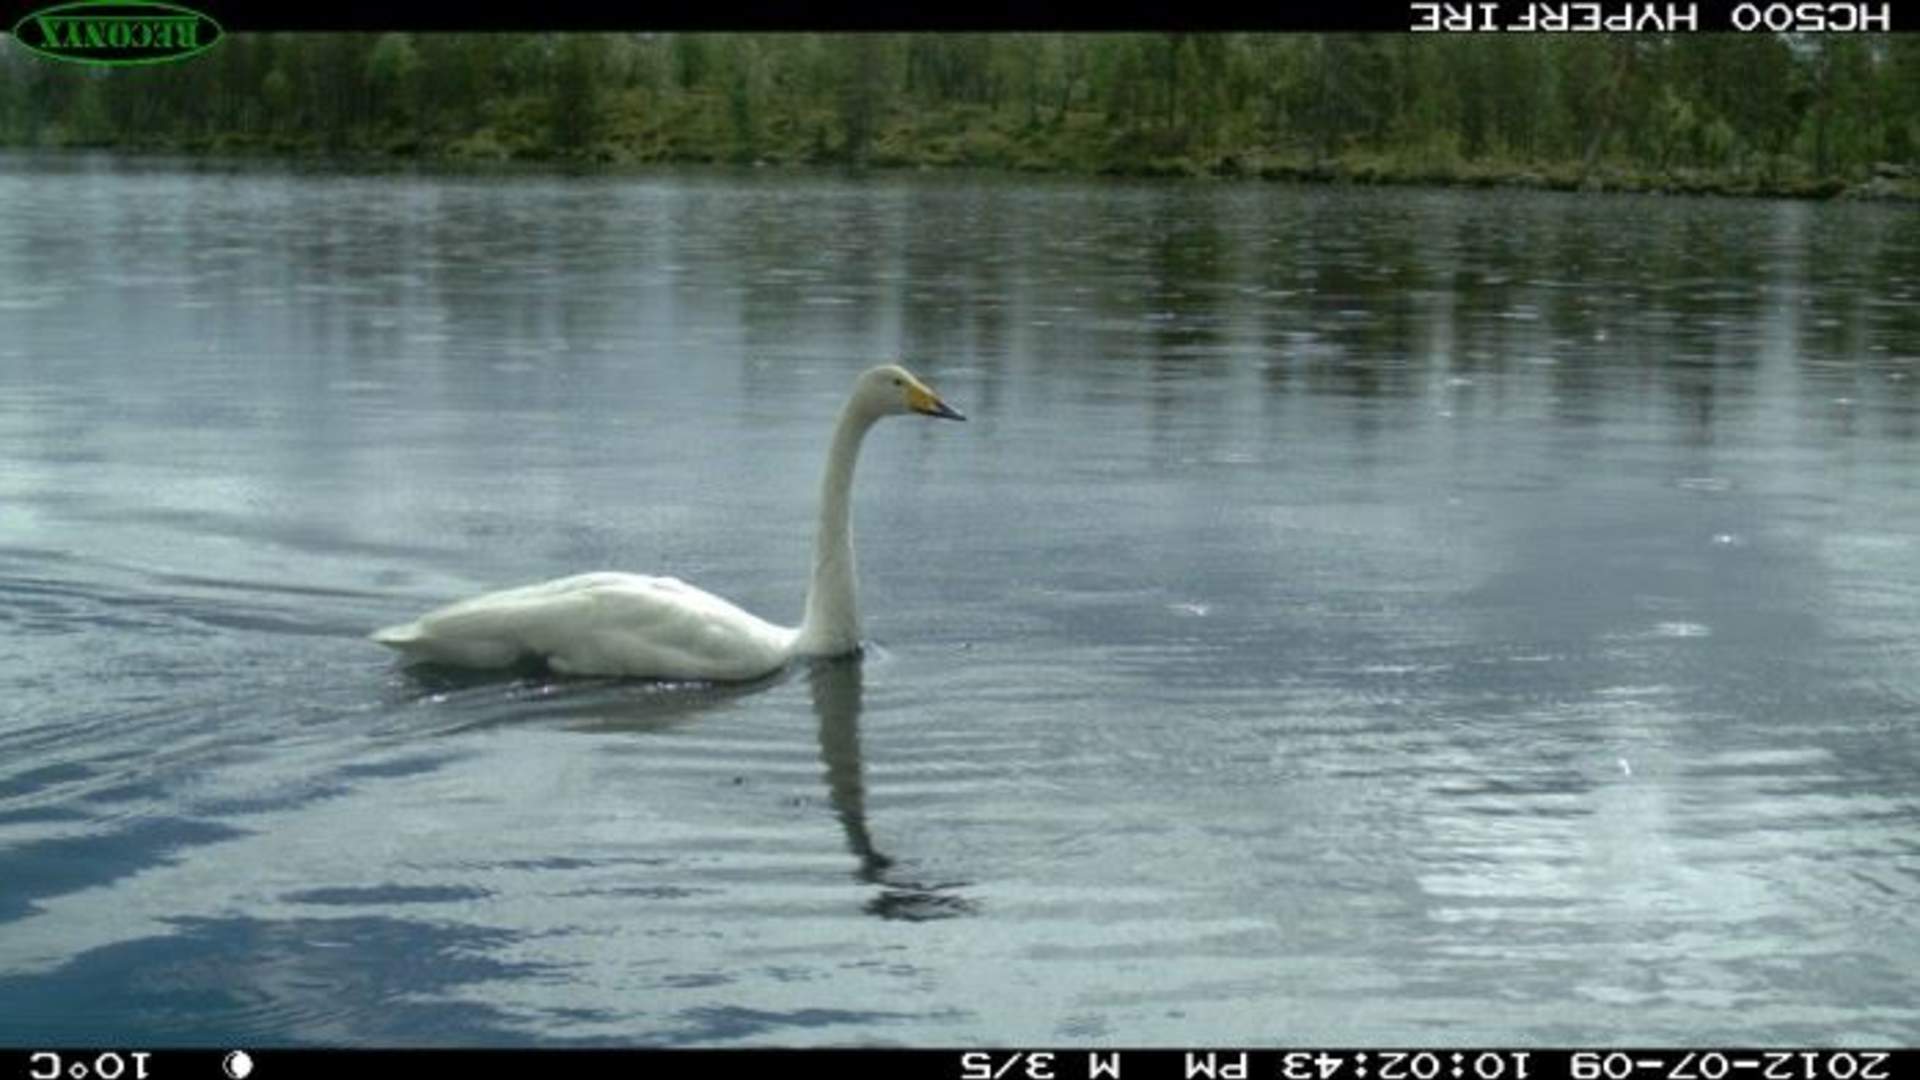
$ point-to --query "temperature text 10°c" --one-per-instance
(47, 1065)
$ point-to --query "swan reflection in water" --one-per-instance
(837, 685)
(490, 699)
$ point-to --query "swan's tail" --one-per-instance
(398, 637)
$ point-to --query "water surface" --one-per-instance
(1349, 616)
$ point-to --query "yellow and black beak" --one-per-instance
(927, 403)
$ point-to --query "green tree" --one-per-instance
(393, 79)
(862, 92)
(1838, 133)
(691, 60)
(1120, 74)
(748, 79)
(1345, 91)
(1903, 97)
(574, 102)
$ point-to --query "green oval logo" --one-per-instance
(116, 33)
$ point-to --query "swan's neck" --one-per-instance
(832, 625)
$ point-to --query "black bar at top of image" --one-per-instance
(791, 15)
(828, 15)
(1449, 1063)
(781, 15)
(1315, 16)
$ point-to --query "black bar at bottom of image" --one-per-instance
(240, 1062)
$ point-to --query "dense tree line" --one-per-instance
(1753, 104)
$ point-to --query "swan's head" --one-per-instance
(890, 389)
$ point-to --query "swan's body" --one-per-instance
(661, 627)
(601, 624)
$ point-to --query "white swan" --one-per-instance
(661, 627)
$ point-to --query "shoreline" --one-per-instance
(1888, 183)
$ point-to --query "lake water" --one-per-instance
(1349, 616)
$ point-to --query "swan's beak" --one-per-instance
(927, 403)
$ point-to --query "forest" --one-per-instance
(1722, 112)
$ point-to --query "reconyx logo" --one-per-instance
(114, 33)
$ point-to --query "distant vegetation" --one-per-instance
(1709, 112)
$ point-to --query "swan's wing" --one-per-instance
(600, 624)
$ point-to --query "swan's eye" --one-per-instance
(899, 381)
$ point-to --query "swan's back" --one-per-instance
(600, 624)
